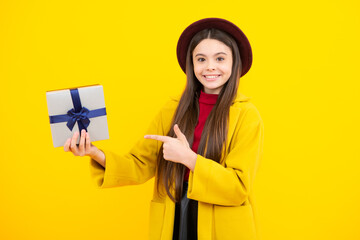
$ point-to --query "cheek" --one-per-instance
(230, 70)
(227, 69)
(197, 70)
(196, 67)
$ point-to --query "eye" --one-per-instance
(220, 59)
(201, 59)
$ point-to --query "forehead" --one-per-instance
(211, 46)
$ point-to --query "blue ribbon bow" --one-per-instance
(78, 114)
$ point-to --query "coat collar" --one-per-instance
(241, 98)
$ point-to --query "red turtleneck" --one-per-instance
(206, 103)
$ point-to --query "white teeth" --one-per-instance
(211, 76)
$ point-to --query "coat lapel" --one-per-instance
(234, 114)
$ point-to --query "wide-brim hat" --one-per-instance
(223, 25)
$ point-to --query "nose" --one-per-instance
(210, 66)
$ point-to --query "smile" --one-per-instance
(211, 77)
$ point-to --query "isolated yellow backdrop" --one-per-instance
(304, 81)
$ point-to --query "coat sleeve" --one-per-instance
(135, 167)
(230, 185)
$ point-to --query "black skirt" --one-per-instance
(185, 222)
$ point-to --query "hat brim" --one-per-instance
(223, 25)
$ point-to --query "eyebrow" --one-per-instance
(200, 54)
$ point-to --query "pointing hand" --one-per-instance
(176, 149)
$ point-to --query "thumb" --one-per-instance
(179, 134)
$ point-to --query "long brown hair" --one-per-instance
(213, 139)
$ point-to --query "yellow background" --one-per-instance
(304, 81)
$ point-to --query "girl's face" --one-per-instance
(212, 64)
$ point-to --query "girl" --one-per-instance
(203, 149)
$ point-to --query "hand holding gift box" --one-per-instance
(73, 110)
(84, 148)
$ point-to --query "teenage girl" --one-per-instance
(203, 148)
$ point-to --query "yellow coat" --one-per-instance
(224, 191)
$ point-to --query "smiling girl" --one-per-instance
(203, 149)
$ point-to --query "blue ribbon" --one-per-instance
(77, 114)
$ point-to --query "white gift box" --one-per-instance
(71, 110)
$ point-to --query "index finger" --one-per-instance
(158, 137)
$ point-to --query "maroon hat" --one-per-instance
(223, 25)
